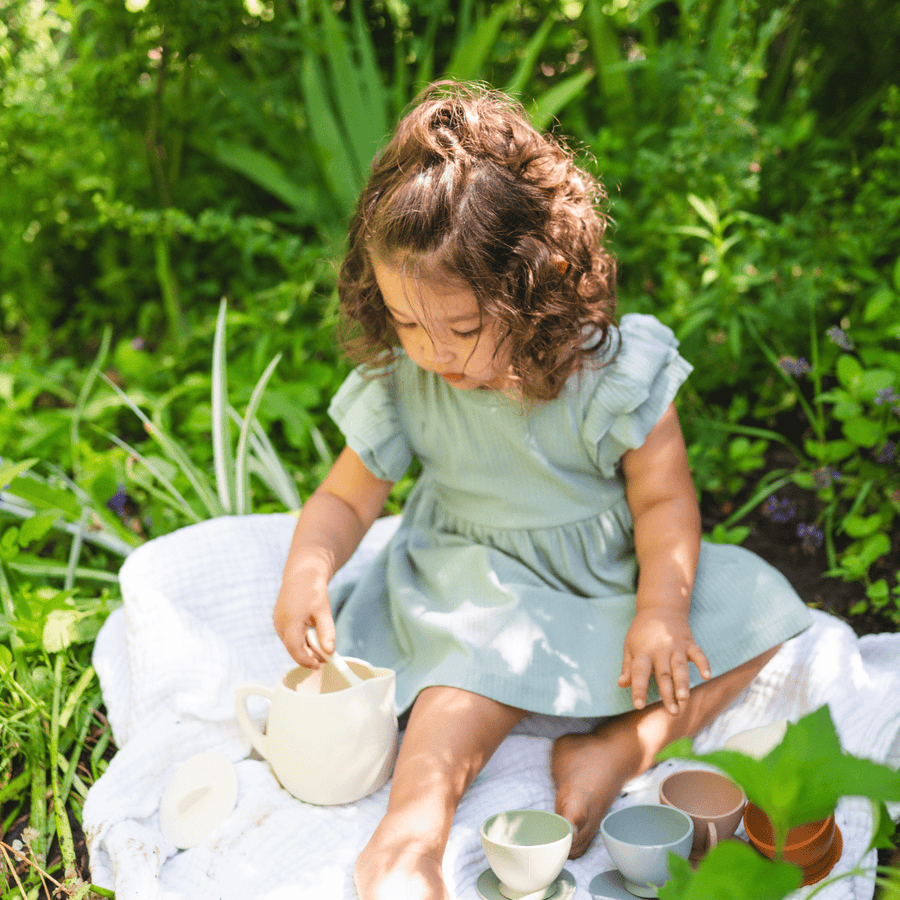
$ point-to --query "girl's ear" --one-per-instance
(561, 265)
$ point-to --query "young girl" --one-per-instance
(549, 557)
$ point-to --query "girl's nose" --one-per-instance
(434, 352)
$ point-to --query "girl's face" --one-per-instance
(440, 327)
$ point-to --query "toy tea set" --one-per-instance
(331, 737)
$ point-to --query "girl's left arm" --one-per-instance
(666, 516)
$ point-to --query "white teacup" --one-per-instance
(526, 848)
(639, 840)
(334, 744)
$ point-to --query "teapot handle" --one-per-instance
(248, 726)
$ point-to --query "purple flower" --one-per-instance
(840, 337)
(825, 476)
(886, 395)
(118, 500)
(795, 367)
(887, 453)
(138, 344)
(779, 510)
(810, 537)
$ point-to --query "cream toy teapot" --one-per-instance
(331, 734)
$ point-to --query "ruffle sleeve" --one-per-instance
(365, 409)
(633, 391)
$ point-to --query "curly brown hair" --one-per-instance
(467, 189)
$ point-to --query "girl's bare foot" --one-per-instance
(388, 869)
(589, 771)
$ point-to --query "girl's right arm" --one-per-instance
(331, 525)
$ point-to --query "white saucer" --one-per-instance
(488, 886)
(610, 885)
(199, 797)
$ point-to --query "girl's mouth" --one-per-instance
(452, 376)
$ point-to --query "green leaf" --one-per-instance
(861, 526)
(884, 828)
(519, 82)
(881, 302)
(849, 372)
(706, 209)
(787, 784)
(9, 471)
(725, 873)
(36, 527)
(897, 274)
(862, 431)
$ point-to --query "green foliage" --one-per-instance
(787, 784)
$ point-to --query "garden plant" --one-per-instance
(177, 178)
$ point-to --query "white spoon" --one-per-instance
(335, 659)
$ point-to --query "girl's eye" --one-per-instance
(406, 325)
(468, 334)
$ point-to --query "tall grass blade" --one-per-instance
(223, 460)
(553, 100)
(605, 45)
(470, 57)
(242, 474)
(268, 466)
(719, 45)
(175, 453)
(266, 172)
(84, 393)
(342, 177)
(353, 101)
(75, 549)
(522, 76)
(183, 506)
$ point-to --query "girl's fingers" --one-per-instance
(681, 678)
(641, 668)
(625, 678)
(698, 658)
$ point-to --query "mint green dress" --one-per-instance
(513, 571)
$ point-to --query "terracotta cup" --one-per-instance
(805, 846)
(712, 800)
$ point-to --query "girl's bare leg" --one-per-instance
(450, 736)
(590, 770)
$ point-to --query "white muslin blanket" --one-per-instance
(196, 621)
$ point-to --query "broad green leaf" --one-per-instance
(9, 471)
(787, 784)
(881, 302)
(849, 372)
(861, 526)
(875, 380)
(874, 547)
(36, 527)
(44, 497)
(726, 872)
(706, 209)
(862, 431)
(897, 274)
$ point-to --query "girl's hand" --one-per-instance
(303, 604)
(660, 642)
